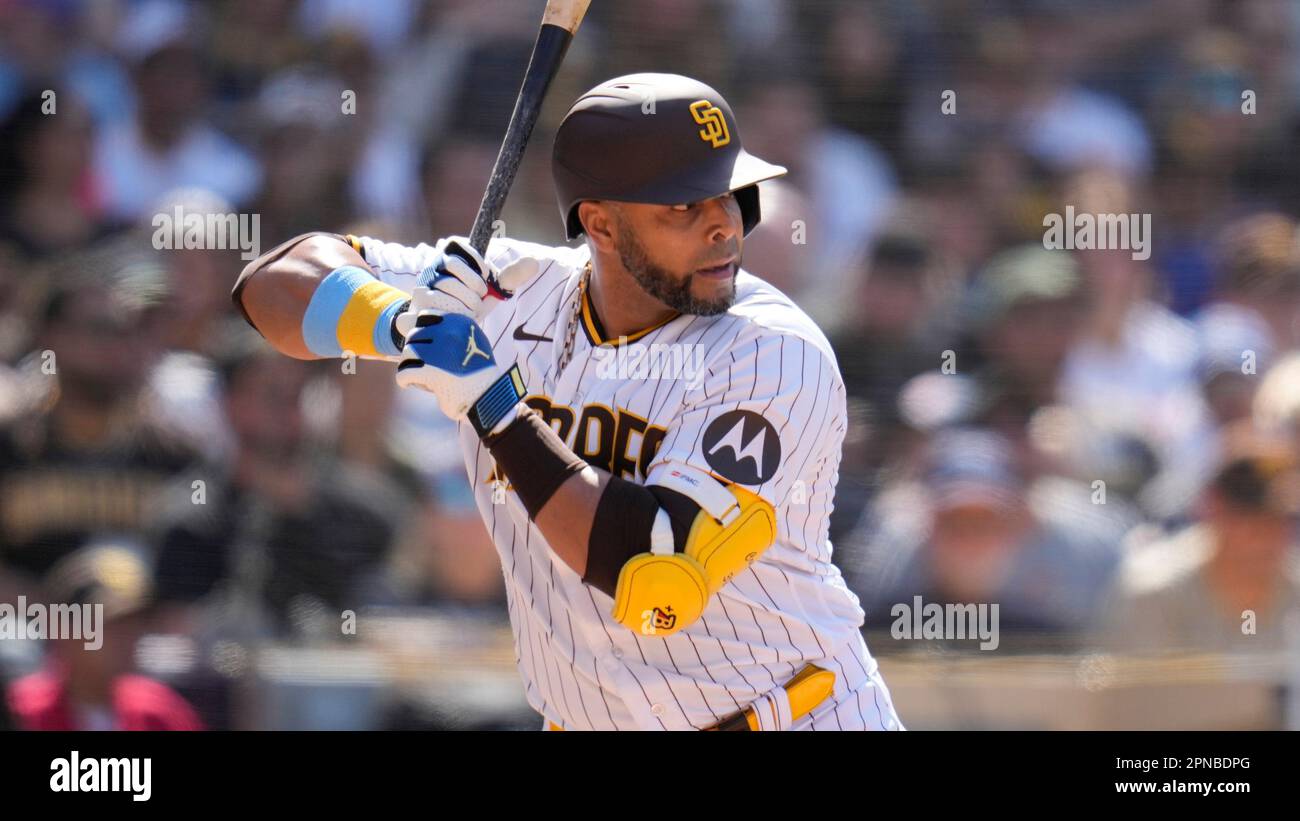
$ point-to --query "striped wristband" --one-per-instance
(351, 311)
(496, 403)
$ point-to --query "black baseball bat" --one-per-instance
(559, 23)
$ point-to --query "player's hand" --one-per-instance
(460, 281)
(448, 355)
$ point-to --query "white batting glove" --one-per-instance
(460, 281)
(449, 356)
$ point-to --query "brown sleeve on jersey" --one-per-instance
(531, 454)
(624, 517)
(269, 257)
(534, 458)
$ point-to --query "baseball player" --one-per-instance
(652, 433)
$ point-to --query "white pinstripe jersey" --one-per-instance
(753, 395)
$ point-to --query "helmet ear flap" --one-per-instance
(572, 225)
(750, 213)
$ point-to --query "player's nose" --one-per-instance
(723, 218)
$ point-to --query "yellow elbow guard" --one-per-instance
(659, 595)
(660, 592)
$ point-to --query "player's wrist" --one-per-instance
(352, 312)
(498, 405)
(507, 420)
(398, 338)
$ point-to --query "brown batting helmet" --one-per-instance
(663, 139)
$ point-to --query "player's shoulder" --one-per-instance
(770, 319)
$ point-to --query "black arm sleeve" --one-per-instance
(625, 515)
(537, 462)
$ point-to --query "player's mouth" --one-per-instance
(723, 270)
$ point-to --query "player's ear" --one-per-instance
(599, 224)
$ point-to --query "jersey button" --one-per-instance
(618, 652)
(657, 709)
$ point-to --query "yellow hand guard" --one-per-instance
(660, 592)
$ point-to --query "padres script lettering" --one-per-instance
(603, 437)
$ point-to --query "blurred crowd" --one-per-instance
(1101, 444)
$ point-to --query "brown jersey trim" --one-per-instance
(596, 332)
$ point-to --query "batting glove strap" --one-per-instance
(496, 403)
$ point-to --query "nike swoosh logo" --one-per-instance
(521, 334)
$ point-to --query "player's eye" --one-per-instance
(685, 207)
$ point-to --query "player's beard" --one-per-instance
(663, 285)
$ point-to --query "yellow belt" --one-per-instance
(810, 687)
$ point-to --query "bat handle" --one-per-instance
(567, 14)
(552, 42)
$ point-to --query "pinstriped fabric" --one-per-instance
(763, 402)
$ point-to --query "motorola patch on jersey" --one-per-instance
(742, 446)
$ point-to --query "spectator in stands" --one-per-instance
(50, 201)
(1228, 582)
(896, 331)
(1021, 319)
(282, 526)
(1259, 273)
(79, 456)
(848, 183)
(169, 143)
(974, 529)
(93, 687)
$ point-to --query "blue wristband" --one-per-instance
(496, 401)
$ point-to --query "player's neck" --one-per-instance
(623, 307)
